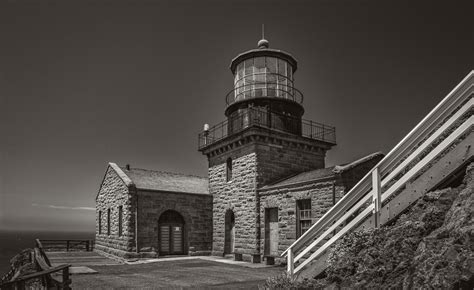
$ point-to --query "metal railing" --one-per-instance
(266, 119)
(420, 147)
(68, 245)
(263, 90)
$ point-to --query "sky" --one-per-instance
(84, 83)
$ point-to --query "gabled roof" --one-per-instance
(323, 173)
(166, 181)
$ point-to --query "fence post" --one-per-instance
(290, 263)
(66, 281)
(376, 195)
(87, 245)
(67, 246)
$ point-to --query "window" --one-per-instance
(120, 212)
(108, 221)
(303, 210)
(229, 169)
(100, 222)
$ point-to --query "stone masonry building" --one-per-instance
(267, 179)
(141, 213)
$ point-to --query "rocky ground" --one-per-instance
(430, 246)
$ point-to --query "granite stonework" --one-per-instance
(324, 193)
(117, 189)
(196, 209)
(113, 193)
(254, 165)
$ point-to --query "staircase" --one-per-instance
(426, 158)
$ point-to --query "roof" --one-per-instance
(342, 168)
(323, 173)
(166, 181)
(306, 176)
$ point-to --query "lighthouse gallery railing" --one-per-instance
(270, 120)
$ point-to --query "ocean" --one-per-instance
(12, 242)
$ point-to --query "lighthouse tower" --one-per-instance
(264, 139)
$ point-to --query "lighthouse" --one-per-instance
(262, 140)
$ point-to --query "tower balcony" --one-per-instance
(258, 117)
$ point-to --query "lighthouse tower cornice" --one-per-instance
(257, 52)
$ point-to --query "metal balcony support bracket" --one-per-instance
(376, 195)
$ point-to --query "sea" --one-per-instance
(12, 242)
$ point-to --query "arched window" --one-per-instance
(229, 169)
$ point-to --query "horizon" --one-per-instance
(84, 84)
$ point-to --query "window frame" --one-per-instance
(303, 215)
(120, 221)
(229, 169)
(100, 222)
(108, 221)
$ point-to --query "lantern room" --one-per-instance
(264, 90)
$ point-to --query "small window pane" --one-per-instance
(271, 64)
(259, 62)
(282, 67)
(249, 66)
(240, 70)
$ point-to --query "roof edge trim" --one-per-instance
(342, 168)
(128, 182)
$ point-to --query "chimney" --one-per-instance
(127, 167)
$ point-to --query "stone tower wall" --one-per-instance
(238, 195)
(276, 162)
(254, 165)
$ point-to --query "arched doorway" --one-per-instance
(229, 233)
(171, 233)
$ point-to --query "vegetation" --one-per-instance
(430, 246)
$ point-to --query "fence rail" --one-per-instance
(399, 166)
(267, 119)
(68, 245)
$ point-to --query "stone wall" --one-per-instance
(196, 209)
(238, 195)
(285, 199)
(275, 162)
(323, 196)
(114, 193)
(254, 165)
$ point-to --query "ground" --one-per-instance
(178, 273)
(195, 273)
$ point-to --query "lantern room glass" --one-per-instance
(263, 76)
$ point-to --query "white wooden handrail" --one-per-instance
(432, 127)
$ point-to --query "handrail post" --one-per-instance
(66, 281)
(290, 263)
(67, 246)
(376, 195)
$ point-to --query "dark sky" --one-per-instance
(83, 83)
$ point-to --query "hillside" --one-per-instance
(431, 245)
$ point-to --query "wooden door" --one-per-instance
(177, 239)
(165, 239)
(171, 239)
(232, 237)
(271, 232)
(229, 233)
